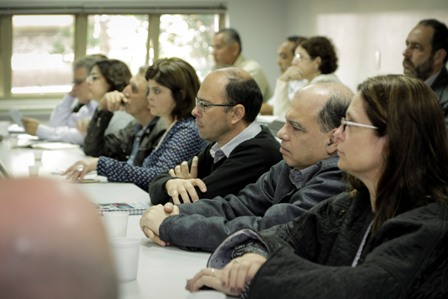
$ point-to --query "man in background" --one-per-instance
(52, 243)
(425, 57)
(284, 89)
(227, 50)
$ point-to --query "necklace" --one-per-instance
(361, 246)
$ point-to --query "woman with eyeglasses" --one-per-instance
(315, 60)
(173, 85)
(387, 237)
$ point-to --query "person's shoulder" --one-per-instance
(330, 162)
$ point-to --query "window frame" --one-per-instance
(80, 34)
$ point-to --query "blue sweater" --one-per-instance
(181, 142)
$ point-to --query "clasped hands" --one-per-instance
(184, 182)
(153, 217)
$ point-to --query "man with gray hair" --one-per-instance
(307, 175)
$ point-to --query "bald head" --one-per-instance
(330, 101)
(52, 243)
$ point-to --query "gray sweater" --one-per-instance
(272, 200)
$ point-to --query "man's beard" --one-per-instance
(423, 71)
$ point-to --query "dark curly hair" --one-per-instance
(320, 46)
(116, 73)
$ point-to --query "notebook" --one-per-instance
(133, 208)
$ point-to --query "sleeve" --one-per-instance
(62, 134)
(255, 207)
(179, 146)
(212, 220)
(300, 278)
(94, 141)
(60, 115)
(280, 99)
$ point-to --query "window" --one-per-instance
(38, 50)
(42, 48)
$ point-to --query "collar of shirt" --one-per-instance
(431, 79)
(248, 133)
(299, 177)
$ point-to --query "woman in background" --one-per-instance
(386, 238)
(173, 85)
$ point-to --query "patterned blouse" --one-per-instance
(179, 144)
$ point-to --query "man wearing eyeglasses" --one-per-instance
(240, 151)
(426, 56)
(75, 107)
(307, 175)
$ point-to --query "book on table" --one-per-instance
(133, 208)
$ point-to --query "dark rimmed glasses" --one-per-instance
(203, 105)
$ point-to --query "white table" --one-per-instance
(162, 272)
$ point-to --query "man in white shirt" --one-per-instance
(63, 122)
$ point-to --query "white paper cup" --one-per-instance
(126, 252)
(33, 170)
(37, 155)
(116, 224)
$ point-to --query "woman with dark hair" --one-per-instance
(173, 85)
(385, 238)
(315, 60)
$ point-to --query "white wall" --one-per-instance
(369, 35)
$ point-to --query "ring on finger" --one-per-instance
(80, 168)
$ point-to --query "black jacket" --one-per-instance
(311, 257)
(119, 146)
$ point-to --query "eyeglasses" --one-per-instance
(203, 105)
(345, 123)
(300, 57)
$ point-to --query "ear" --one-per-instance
(439, 56)
(332, 144)
(238, 112)
(235, 49)
(317, 62)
